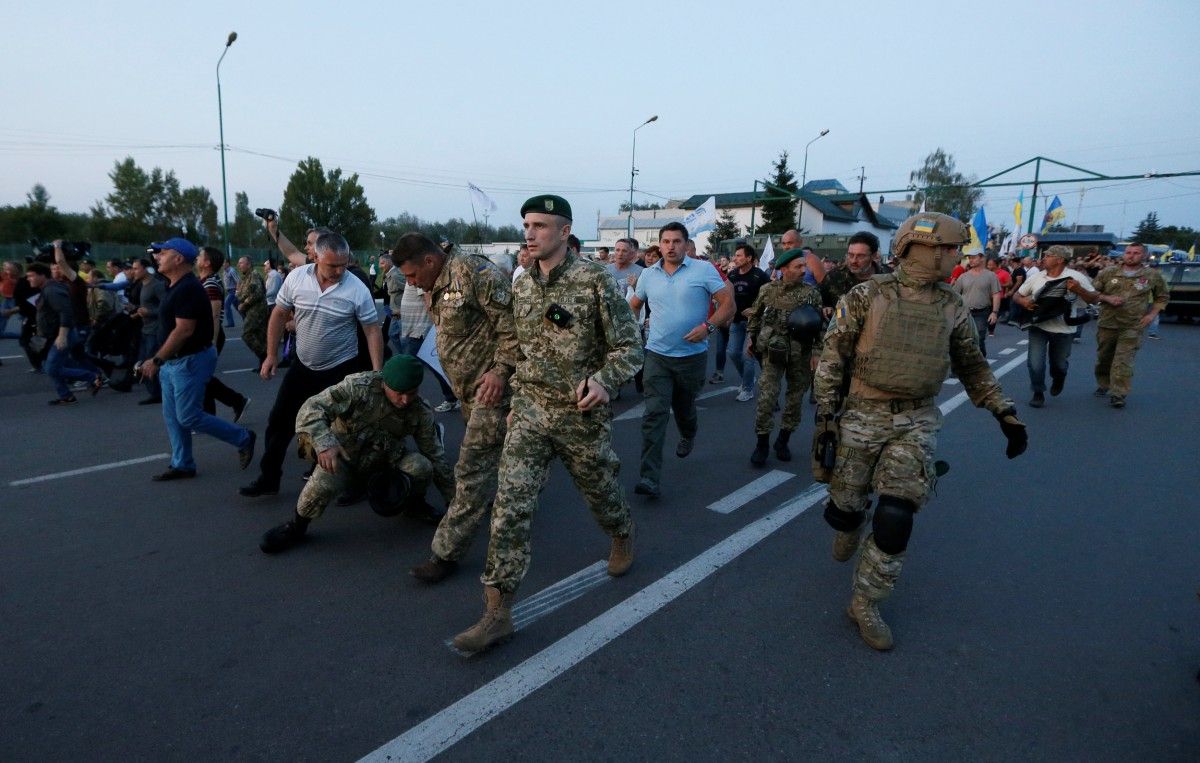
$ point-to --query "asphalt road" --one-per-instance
(1047, 611)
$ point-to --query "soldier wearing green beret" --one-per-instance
(355, 431)
(578, 343)
(786, 352)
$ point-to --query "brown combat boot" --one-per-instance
(845, 544)
(871, 626)
(435, 570)
(494, 627)
(620, 556)
(874, 578)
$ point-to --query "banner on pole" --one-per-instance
(481, 199)
(428, 354)
(702, 219)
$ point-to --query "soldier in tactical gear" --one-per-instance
(785, 322)
(355, 431)
(887, 351)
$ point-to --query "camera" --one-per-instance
(266, 214)
(74, 250)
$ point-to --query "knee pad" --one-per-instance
(843, 521)
(893, 524)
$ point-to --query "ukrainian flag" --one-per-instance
(979, 233)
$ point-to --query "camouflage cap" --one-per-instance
(1058, 250)
(787, 257)
(547, 204)
(403, 373)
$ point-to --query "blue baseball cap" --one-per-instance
(181, 245)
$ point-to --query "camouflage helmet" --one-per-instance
(930, 228)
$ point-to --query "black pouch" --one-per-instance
(559, 315)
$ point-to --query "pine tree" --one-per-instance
(1148, 230)
(779, 214)
(727, 228)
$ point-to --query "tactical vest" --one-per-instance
(904, 345)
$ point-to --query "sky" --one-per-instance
(421, 98)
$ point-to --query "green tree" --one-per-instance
(35, 219)
(638, 206)
(197, 214)
(942, 188)
(314, 198)
(727, 228)
(246, 229)
(143, 205)
(779, 212)
(1148, 230)
(1179, 236)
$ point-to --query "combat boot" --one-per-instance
(284, 536)
(435, 570)
(494, 627)
(845, 544)
(620, 556)
(871, 626)
(874, 578)
(759, 456)
(782, 451)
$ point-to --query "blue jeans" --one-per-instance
(1043, 344)
(183, 381)
(147, 346)
(8, 304)
(230, 307)
(396, 337)
(746, 367)
(62, 366)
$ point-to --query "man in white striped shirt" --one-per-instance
(327, 304)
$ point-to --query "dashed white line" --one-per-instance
(89, 470)
(439, 732)
(748, 492)
(1023, 342)
(1008, 350)
(638, 410)
(961, 397)
(239, 370)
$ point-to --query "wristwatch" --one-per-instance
(711, 328)
(156, 361)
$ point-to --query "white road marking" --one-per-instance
(89, 470)
(637, 411)
(239, 370)
(10, 357)
(439, 732)
(1008, 350)
(1023, 341)
(961, 397)
(953, 381)
(748, 492)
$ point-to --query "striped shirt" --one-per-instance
(414, 318)
(326, 322)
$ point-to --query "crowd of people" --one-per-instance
(532, 353)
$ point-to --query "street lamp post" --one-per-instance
(804, 174)
(633, 174)
(221, 123)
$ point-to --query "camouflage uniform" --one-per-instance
(601, 342)
(768, 326)
(251, 296)
(356, 414)
(839, 281)
(471, 305)
(1118, 333)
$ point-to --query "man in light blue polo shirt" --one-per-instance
(679, 291)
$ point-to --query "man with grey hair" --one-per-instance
(623, 265)
(327, 304)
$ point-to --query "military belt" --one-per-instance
(899, 405)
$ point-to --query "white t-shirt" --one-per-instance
(517, 271)
(326, 321)
(1039, 279)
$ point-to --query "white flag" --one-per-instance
(764, 262)
(481, 199)
(428, 353)
(702, 219)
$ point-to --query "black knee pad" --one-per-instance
(893, 524)
(843, 521)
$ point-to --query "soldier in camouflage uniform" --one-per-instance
(858, 267)
(1131, 297)
(886, 352)
(355, 431)
(783, 355)
(251, 296)
(471, 305)
(579, 343)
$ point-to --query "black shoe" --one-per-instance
(246, 454)
(1116, 401)
(1038, 400)
(647, 488)
(239, 409)
(172, 474)
(782, 451)
(283, 537)
(759, 456)
(68, 400)
(259, 487)
(435, 570)
(684, 447)
(351, 496)
(97, 384)
(151, 401)
(1056, 386)
(1100, 392)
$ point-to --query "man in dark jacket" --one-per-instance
(56, 322)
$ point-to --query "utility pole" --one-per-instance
(1079, 209)
(862, 175)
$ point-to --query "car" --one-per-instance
(1183, 281)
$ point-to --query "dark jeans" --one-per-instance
(746, 367)
(671, 384)
(409, 346)
(63, 366)
(298, 385)
(216, 391)
(146, 350)
(722, 343)
(1057, 347)
(980, 318)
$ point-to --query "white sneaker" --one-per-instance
(745, 394)
(446, 406)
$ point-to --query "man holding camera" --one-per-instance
(328, 304)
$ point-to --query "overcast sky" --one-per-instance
(422, 98)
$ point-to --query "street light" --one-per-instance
(804, 174)
(221, 122)
(633, 173)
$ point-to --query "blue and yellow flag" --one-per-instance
(979, 233)
(1192, 253)
(1054, 214)
(1017, 211)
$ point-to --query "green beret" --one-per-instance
(547, 204)
(403, 373)
(787, 257)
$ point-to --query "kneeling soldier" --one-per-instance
(355, 432)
